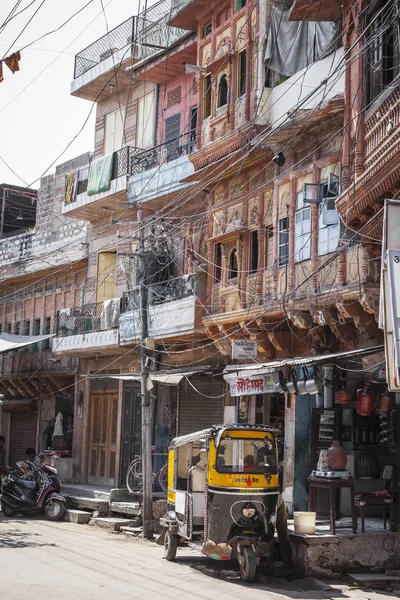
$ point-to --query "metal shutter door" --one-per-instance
(197, 411)
(22, 435)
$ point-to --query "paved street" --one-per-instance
(62, 561)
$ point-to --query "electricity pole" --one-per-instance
(144, 388)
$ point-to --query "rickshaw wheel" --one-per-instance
(248, 564)
(170, 545)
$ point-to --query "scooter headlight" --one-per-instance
(248, 511)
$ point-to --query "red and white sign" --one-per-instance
(254, 384)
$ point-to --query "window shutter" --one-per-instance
(172, 131)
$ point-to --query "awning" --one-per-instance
(13, 342)
(161, 377)
(271, 367)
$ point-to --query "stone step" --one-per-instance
(93, 504)
(77, 516)
(134, 531)
(125, 508)
(376, 580)
(111, 523)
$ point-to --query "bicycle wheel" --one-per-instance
(163, 478)
(134, 477)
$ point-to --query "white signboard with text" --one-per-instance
(244, 349)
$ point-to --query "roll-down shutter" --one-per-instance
(22, 435)
(201, 407)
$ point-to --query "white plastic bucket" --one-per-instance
(304, 522)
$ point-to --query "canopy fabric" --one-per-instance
(9, 341)
(261, 368)
(167, 378)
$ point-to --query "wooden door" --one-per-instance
(103, 425)
(106, 276)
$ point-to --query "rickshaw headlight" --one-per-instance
(248, 511)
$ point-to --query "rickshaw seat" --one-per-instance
(198, 479)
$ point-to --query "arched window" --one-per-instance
(233, 264)
(222, 91)
(218, 262)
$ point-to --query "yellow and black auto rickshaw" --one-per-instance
(223, 495)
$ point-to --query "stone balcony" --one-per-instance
(174, 310)
(88, 330)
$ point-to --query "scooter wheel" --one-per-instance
(7, 510)
(248, 565)
(54, 510)
(170, 545)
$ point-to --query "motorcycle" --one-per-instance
(32, 494)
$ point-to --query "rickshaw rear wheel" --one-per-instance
(170, 545)
(248, 564)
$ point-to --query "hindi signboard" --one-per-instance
(254, 384)
(244, 349)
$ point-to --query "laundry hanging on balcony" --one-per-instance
(100, 174)
(70, 187)
(294, 45)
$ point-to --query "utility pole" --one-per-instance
(146, 406)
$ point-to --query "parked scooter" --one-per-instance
(35, 492)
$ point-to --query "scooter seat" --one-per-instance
(26, 483)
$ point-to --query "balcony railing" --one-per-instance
(153, 32)
(89, 318)
(116, 39)
(161, 293)
(131, 160)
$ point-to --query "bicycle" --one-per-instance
(134, 476)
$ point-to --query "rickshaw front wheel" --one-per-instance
(248, 564)
(170, 545)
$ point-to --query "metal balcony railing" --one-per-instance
(161, 293)
(131, 160)
(118, 38)
(89, 318)
(153, 32)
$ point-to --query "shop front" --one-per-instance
(341, 458)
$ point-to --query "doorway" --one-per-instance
(103, 428)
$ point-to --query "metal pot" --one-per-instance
(292, 386)
(302, 383)
(314, 384)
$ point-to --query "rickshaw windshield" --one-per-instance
(241, 455)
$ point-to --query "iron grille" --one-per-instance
(85, 319)
(118, 38)
(172, 131)
(162, 292)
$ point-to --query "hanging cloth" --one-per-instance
(58, 426)
(12, 61)
(295, 45)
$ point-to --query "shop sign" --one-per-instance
(254, 384)
(244, 349)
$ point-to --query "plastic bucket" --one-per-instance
(304, 522)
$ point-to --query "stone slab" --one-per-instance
(77, 516)
(376, 580)
(125, 508)
(111, 523)
(89, 503)
(331, 557)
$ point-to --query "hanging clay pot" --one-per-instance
(385, 403)
(342, 397)
(337, 457)
(365, 402)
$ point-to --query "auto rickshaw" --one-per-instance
(223, 495)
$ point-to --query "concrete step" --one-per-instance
(77, 516)
(111, 523)
(376, 580)
(87, 490)
(134, 531)
(92, 504)
(125, 508)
